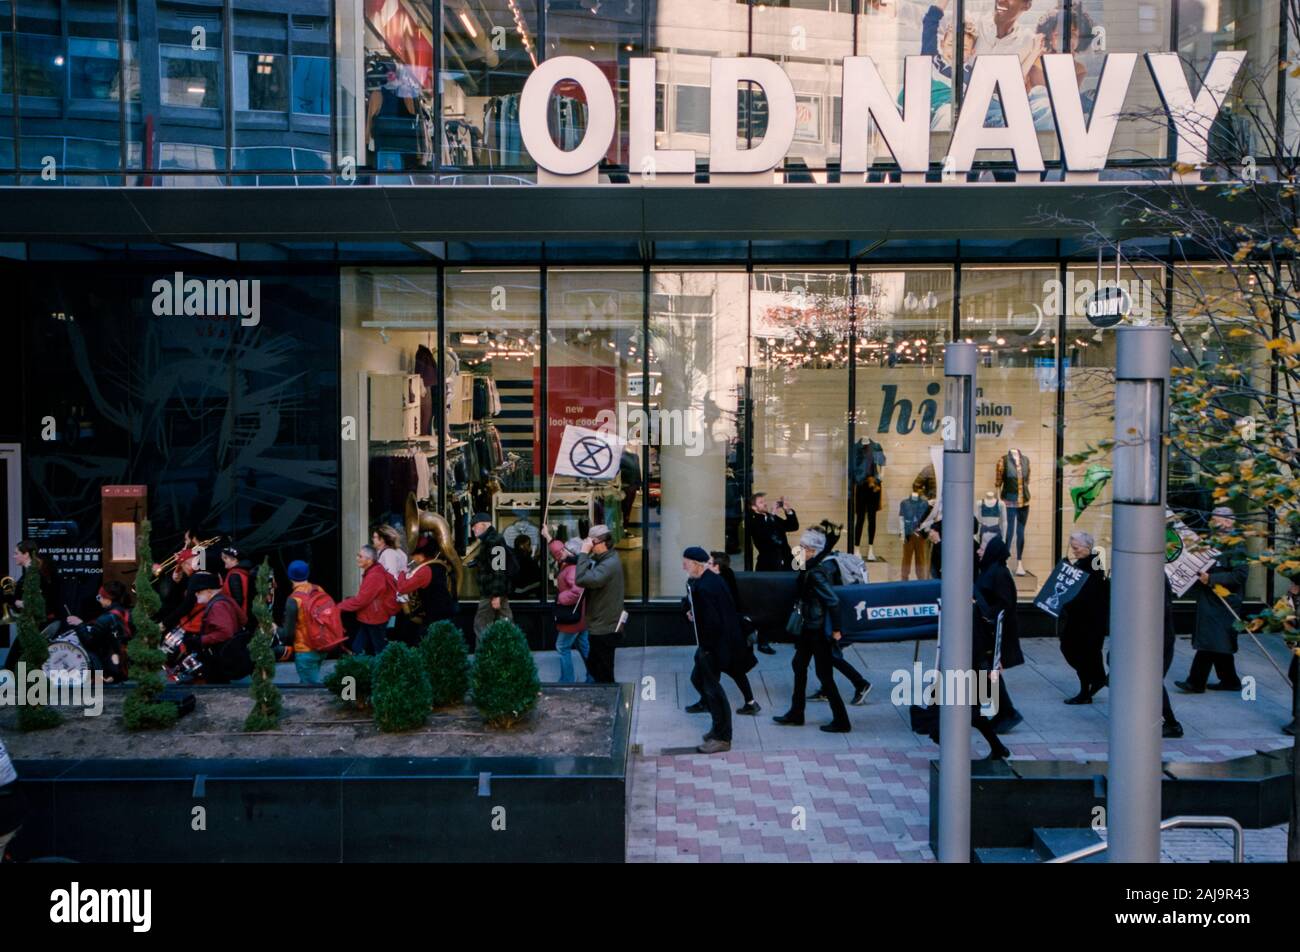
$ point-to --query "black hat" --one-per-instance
(696, 554)
(479, 517)
(202, 582)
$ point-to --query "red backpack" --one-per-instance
(322, 626)
(388, 600)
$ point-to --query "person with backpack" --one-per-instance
(311, 622)
(569, 604)
(842, 569)
(815, 623)
(374, 603)
(495, 566)
(222, 642)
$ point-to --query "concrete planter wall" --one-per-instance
(344, 809)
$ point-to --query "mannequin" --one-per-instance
(992, 515)
(868, 495)
(911, 514)
(1011, 480)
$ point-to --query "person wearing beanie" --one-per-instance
(492, 568)
(1215, 635)
(568, 635)
(294, 630)
(717, 639)
(819, 625)
(600, 574)
(107, 635)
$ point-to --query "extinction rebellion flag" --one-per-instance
(1063, 584)
(589, 454)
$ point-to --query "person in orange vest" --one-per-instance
(238, 580)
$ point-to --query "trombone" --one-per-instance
(170, 562)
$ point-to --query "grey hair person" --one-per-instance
(813, 539)
(369, 552)
(1084, 538)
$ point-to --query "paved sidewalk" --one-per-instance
(797, 794)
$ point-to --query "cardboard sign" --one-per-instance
(1186, 556)
(1062, 586)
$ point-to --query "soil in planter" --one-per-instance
(574, 723)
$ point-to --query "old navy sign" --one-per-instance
(867, 99)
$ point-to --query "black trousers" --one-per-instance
(844, 667)
(600, 661)
(1005, 707)
(1225, 665)
(865, 503)
(816, 647)
(706, 678)
(1083, 653)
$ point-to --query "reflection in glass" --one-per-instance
(698, 466)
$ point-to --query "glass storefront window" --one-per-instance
(1004, 311)
(1209, 304)
(390, 392)
(492, 370)
(607, 35)
(1122, 26)
(809, 38)
(684, 36)
(595, 353)
(1088, 357)
(1205, 29)
(189, 128)
(699, 463)
(890, 32)
(799, 355)
(903, 319)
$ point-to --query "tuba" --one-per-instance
(421, 520)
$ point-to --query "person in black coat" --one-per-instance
(741, 660)
(1215, 635)
(819, 628)
(1170, 728)
(995, 594)
(719, 643)
(934, 532)
(1086, 622)
(767, 531)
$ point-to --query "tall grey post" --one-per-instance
(1137, 594)
(958, 501)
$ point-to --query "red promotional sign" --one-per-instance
(575, 396)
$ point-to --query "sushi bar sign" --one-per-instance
(905, 131)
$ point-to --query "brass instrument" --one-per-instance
(8, 588)
(420, 520)
(170, 563)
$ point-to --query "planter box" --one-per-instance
(340, 809)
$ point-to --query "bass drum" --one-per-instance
(69, 661)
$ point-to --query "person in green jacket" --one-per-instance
(600, 574)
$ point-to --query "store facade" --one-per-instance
(288, 365)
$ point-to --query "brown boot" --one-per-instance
(714, 746)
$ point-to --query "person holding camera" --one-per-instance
(767, 529)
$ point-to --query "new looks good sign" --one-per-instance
(1085, 140)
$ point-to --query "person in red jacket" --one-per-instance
(238, 581)
(568, 636)
(221, 622)
(374, 603)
